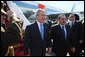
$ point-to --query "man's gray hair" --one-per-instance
(38, 11)
(60, 16)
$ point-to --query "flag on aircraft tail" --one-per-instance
(42, 6)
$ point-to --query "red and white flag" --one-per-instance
(42, 6)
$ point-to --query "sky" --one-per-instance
(65, 5)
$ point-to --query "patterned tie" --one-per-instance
(42, 31)
(63, 31)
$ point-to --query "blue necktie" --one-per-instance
(63, 31)
(42, 31)
(72, 25)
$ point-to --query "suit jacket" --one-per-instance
(60, 44)
(34, 41)
(76, 33)
(83, 31)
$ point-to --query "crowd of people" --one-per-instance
(11, 30)
(59, 39)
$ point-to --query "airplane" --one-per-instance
(28, 8)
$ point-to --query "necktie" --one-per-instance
(63, 31)
(42, 31)
(72, 24)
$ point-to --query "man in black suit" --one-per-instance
(76, 29)
(36, 38)
(61, 36)
(82, 42)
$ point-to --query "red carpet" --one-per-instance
(18, 51)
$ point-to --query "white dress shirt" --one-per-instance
(39, 25)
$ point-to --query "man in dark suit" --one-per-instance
(61, 36)
(76, 29)
(36, 38)
(82, 35)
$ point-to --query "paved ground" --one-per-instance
(47, 54)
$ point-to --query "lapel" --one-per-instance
(45, 29)
(66, 30)
(60, 29)
(37, 30)
(74, 26)
(61, 34)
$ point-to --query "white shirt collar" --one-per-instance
(62, 25)
(38, 22)
(39, 25)
(73, 22)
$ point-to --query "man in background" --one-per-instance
(61, 35)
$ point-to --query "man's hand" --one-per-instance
(73, 49)
(49, 49)
(80, 41)
(26, 55)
